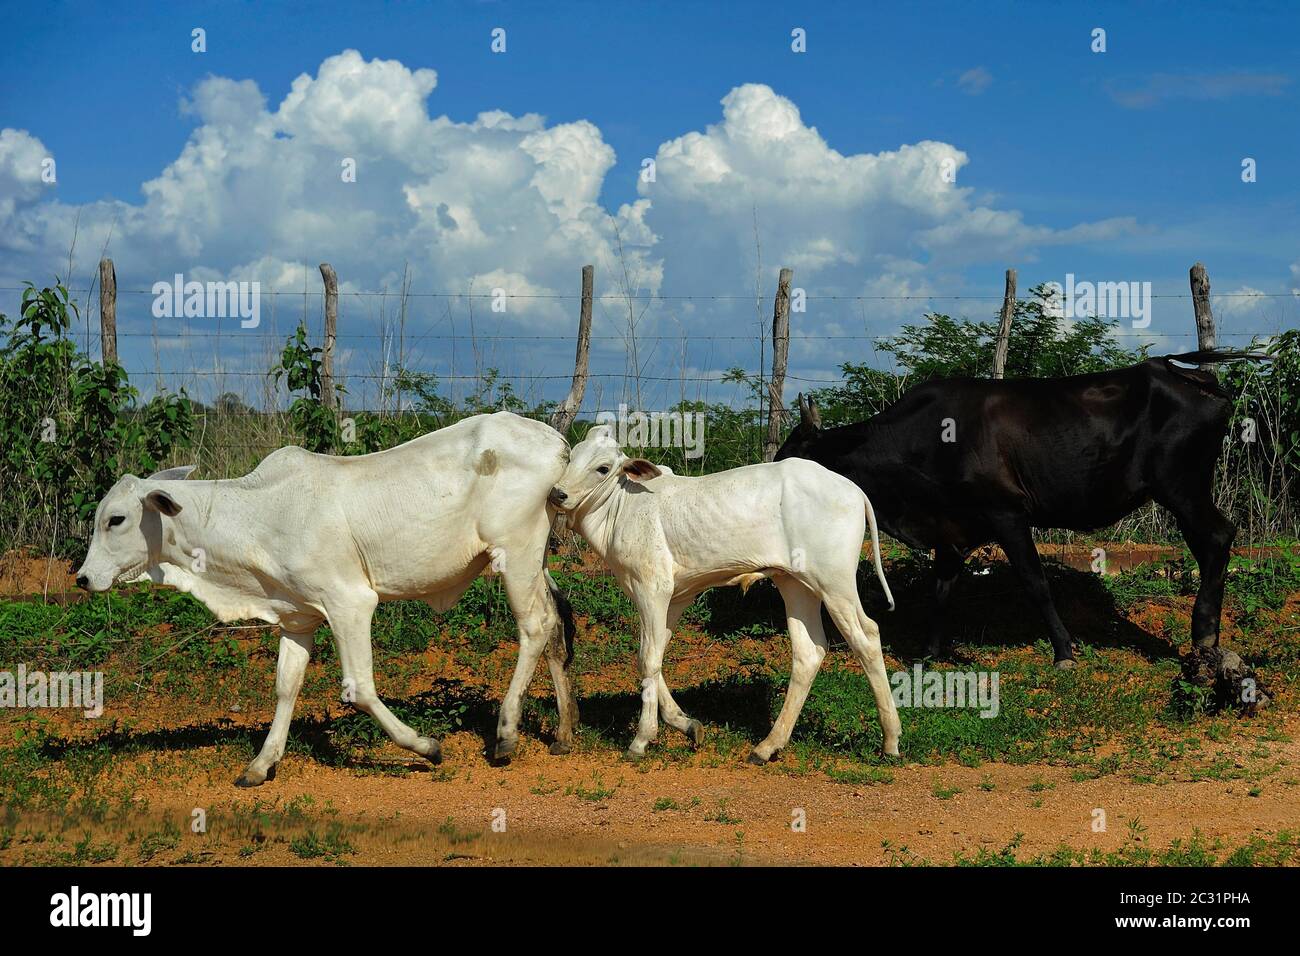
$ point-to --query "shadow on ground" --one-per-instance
(739, 703)
(989, 608)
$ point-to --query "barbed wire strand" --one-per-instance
(446, 337)
(654, 296)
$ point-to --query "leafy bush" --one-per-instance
(1040, 345)
(300, 367)
(72, 426)
(1262, 457)
(1263, 584)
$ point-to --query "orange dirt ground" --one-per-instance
(600, 809)
(593, 807)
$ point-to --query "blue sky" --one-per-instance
(1122, 165)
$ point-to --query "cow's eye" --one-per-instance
(116, 520)
(603, 469)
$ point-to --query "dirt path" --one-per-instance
(600, 809)
(181, 746)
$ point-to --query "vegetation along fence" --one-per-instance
(73, 424)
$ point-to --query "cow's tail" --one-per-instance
(566, 617)
(875, 551)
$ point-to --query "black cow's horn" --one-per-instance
(814, 416)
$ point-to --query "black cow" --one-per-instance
(957, 463)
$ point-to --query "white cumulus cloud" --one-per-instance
(763, 185)
(258, 193)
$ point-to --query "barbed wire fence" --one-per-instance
(449, 337)
(393, 337)
(398, 342)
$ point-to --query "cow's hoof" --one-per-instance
(433, 750)
(505, 749)
(756, 760)
(561, 747)
(633, 756)
(695, 731)
(249, 779)
(1066, 664)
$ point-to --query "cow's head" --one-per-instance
(804, 434)
(128, 534)
(594, 463)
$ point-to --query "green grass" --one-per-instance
(333, 845)
(1252, 584)
(152, 641)
(166, 838)
(1280, 849)
(720, 815)
(596, 793)
(1044, 714)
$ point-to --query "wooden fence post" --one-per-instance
(567, 410)
(1205, 334)
(1004, 326)
(331, 333)
(107, 312)
(780, 357)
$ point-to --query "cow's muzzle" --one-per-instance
(89, 580)
(557, 497)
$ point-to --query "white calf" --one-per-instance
(309, 538)
(668, 537)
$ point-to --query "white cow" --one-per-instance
(307, 538)
(668, 537)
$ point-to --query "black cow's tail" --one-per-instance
(566, 616)
(1211, 356)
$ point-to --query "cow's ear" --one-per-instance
(162, 503)
(638, 469)
(173, 474)
(599, 431)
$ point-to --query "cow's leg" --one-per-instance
(295, 652)
(863, 636)
(677, 718)
(652, 606)
(559, 661)
(559, 658)
(672, 714)
(533, 606)
(947, 567)
(1209, 534)
(349, 619)
(808, 647)
(1016, 539)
